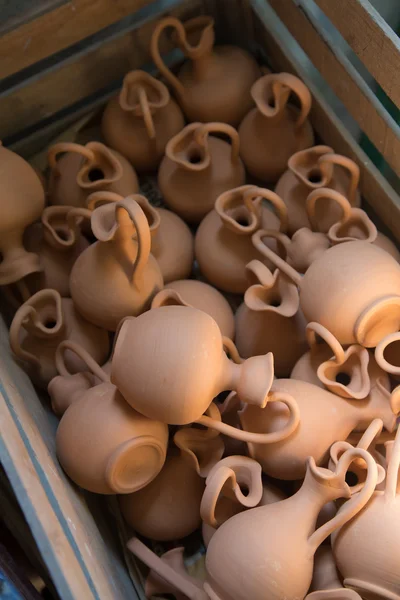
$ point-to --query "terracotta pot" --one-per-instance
(326, 583)
(202, 296)
(116, 276)
(192, 368)
(104, 445)
(246, 538)
(197, 168)
(223, 242)
(356, 275)
(172, 243)
(214, 85)
(382, 241)
(86, 169)
(312, 169)
(350, 373)
(140, 120)
(365, 550)
(22, 202)
(269, 320)
(274, 130)
(39, 326)
(337, 417)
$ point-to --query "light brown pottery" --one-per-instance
(169, 364)
(199, 167)
(229, 414)
(140, 120)
(223, 242)
(39, 326)
(104, 445)
(269, 320)
(386, 244)
(116, 276)
(214, 85)
(311, 169)
(22, 202)
(157, 586)
(356, 280)
(172, 243)
(277, 542)
(326, 583)
(366, 550)
(387, 354)
(275, 129)
(324, 419)
(202, 296)
(350, 373)
(86, 169)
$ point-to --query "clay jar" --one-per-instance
(324, 419)
(190, 292)
(214, 85)
(312, 169)
(365, 550)
(282, 533)
(326, 583)
(22, 202)
(197, 168)
(57, 247)
(274, 130)
(116, 276)
(223, 243)
(104, 445)
(356, 280)
(269, 319)
(141, 120)
(86, 169)
(172, 243)
(39, 326)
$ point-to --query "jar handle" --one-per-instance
(62, 147)
(313, 329)
(352, 168)
(356, 503)
(281, 264)
(51, 233)
(302, 92)
(147, 116)
(204, 129)
(230, 348)
(155, 51)
(259, 438)
(276, 202)
(105, 197)
(327, 194)
(143, 236)
(83, 355)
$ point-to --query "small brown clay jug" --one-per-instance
(214, 85)
(269, 320)
(198, 167)
(277, 542)
(223, 243)
(190, 292)
(140, 120)
(324, 419)
(366, 550)
(192, 368)
(312, 169)
(116, 276)
(39, 326)
(172, 243)
(22, 202)
(274, 130)
(104, 445)
(356, 280)
(86, 169)
(326, 582)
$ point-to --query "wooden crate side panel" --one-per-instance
(374, 187)
(371, 38)
(343, 78)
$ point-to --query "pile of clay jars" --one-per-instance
(226, 362)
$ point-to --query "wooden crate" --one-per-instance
(62, 64)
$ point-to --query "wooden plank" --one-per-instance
(58, 29)
(343, 78)
(272, 36)
(371, 38)
(74, 81)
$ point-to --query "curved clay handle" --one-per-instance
(294, 84)
(143, 236)
(205, 129)
(239, 198)
(276, 202)
(380, 353)
(225, 478)
(327, 194)
(83, 354)
(356, 503)
(104, 197)
(62, 147)
(259, 438)
(168, 297)
(282, 265)
(350, 166)
(301, 91)
(230, 348)
(155, 51)
(313, 329)
(53, 214)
